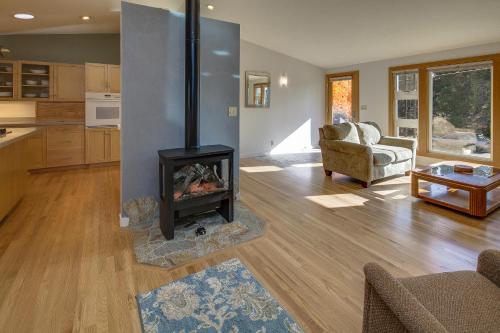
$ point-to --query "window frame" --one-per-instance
(424, 148)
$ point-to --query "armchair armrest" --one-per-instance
(346, 147)
(488, 265)
(399, 142)
(403, 304)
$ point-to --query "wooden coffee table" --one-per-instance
(476, 194)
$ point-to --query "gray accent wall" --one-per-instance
(66, 48)
(153, 91)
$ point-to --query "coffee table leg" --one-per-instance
(477, 203)
(414, 185)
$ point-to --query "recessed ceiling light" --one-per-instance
(24, 16)
(211, 7)
(85, 17)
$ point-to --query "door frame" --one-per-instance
(355, 94)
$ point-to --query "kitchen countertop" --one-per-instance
(17, 134)
(32, 121)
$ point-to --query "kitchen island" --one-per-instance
(13, 167)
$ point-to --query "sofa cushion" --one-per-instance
(462, 301)
(345, 132)
(383, 155)
(369, 133)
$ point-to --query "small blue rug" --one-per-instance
(222, 299)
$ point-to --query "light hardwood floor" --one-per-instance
(66, 265)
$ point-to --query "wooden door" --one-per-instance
(69, 83)
(96, 145)
(36, 150)
(114, 145)
(114, 85)
(96, 77)
(8, 80)
(342, 97)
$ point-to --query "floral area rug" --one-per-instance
(151, 247)
(224, 299)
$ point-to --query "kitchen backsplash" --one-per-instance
(17, 109)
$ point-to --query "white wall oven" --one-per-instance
(102, 109)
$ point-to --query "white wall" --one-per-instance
(296, 112)
(374, 78)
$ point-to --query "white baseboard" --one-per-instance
(124, 221)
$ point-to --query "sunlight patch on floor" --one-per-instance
(399, 197)
(261, 168)
(307, 165)
(394, 181)
(338, 200)
(385, 192)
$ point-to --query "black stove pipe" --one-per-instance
(192, 74)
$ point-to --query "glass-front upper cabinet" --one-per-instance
(8, 80)
(35, 80)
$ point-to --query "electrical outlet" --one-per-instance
(364, 107)
(233, 111)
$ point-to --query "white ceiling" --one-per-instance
(326, 33)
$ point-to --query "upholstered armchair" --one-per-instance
(360, 151)
(458, 302)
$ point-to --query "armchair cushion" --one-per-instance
(402, 303)
(345, 132)
(383, 155)
(369, 133)
(463, 301)
(346, 147)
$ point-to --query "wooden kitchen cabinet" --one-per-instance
(35, 81)
(95, 145)
(113, 73)
(102, 145)
(69, 83)
(65, 145)
(13, 175)
(36, 148)
(95, 77)
(114, 145)
(102, 78)
(8, 80)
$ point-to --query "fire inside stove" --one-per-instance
(197, 180)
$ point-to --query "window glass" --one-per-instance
(461, 110)
(406, 104)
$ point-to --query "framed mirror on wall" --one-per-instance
(258, 89)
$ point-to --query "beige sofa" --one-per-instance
(360, 151)
(457, 302)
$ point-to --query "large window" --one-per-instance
(406, 103)
(460, 110)
(452, 108)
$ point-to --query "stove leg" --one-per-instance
(167, 223)
(226, 209)
(167, 214)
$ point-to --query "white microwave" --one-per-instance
(102, 109)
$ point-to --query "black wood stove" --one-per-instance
(194, 179)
